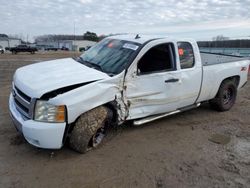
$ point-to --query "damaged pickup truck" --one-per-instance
(121, 78)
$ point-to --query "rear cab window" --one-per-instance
(186, 55)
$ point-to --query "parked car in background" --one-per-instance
(83, 49)
(1, 50)
(51, 49)
(23, 48)
(64, 48)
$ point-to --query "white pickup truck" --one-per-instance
(121, 78)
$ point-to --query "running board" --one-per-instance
(152, 118)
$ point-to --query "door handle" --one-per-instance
(172, 80)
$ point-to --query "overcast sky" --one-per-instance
(201, 19)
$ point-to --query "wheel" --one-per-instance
(89, 130)
(226, 96)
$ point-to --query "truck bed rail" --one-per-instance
(209, 58)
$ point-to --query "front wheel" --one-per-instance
(225, 97)
(89, 130)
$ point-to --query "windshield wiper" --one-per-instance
(99, 67)
(90, 64)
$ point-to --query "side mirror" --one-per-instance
(138, 71)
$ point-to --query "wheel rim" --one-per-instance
(98, 137)
(227, 96)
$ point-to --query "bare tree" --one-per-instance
(220, 38)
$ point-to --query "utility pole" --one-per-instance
(27, 39)
(74, 43)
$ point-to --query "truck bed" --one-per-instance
(208, 58)
(216, 68)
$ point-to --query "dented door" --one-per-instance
(153, 94)
(153, 82)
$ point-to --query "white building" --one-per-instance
(73, 45)
(9, 42)
(82, 44)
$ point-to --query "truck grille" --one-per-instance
(23, 103)
(24, 96)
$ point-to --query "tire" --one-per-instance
(88, 126)
(226, 96)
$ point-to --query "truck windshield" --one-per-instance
(110, 55)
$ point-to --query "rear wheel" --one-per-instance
(89, 130)
(225, 97)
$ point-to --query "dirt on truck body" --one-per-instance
(197, 148)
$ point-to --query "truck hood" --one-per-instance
(40, 78)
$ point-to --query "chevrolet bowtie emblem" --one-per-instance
(14, 93)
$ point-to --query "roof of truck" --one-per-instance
(144, 38)
(140, 39)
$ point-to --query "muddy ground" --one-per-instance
(172, 152)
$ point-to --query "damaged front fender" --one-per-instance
(87, 97)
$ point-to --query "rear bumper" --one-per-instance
(39, 134)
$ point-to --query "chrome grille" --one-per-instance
(23, 103)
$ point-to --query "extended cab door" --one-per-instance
(190, 68)
(153, 83)
(164, 77)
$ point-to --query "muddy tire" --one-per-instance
(226, 96)
(86, 127)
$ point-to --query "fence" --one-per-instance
(245, 52)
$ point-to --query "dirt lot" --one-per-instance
(173, 152)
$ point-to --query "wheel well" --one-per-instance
(114, 118)
(235, 79)
(112, 106)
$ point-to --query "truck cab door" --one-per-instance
(190, 72)
(153, 83)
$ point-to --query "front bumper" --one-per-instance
(39, 134)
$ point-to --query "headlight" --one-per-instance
(48, 112)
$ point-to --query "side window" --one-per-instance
(186, 55)
(157, 59)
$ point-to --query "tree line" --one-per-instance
(91, 36)
(51, 38)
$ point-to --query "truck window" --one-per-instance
(186, 55)
(157, 59)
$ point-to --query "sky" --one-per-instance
(201, 19)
